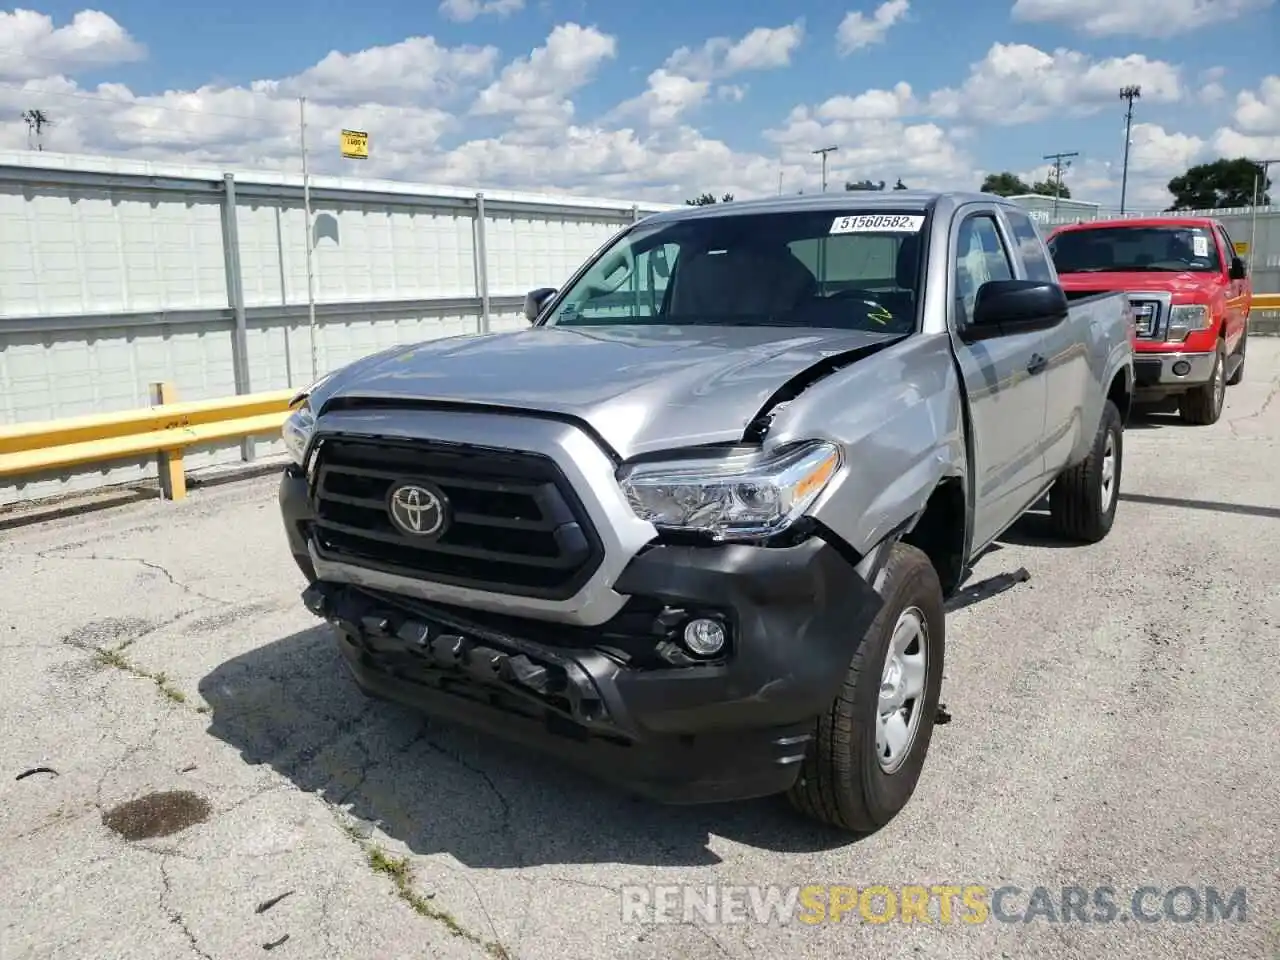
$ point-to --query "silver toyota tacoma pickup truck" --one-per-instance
(693, 529)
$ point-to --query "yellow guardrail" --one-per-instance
(1265, 301)
(163, 429)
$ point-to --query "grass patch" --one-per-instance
(399, 871)
(114, 657)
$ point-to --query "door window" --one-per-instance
(980, 257)
(1030, 246)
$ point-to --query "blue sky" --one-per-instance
(994, 85)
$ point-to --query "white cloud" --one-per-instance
(1160, 153)
(857, 30)
(1139, 18)
(32, 47)
(400, 72)
(684, 81)
(874, 141)
(1017, 83)
(463, 11)
(534, 90)
(1259, 113)
(456, 114)
(1210, 89)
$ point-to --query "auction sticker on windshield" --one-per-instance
(878, 223)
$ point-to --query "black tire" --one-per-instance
(1081, 507)
(1202, 406)
(842, 782)
(1240, 352)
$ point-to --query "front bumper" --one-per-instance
(1161, 371)
(609, 698)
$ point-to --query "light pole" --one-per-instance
(823, 153)
(1260, 174)
(1131, 94)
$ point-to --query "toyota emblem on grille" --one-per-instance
(417, 509)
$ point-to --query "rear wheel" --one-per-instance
(870, 745)
(1203, 405)
(1082, 502)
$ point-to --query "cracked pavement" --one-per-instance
(1113, 722)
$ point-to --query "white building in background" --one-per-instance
(1041, 208)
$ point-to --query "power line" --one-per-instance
(1130, 93)
(1061, 162)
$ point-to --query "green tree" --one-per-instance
(863, 185)
(1046, 188)
(1004, 184)
(708, 198)
(1222, 183)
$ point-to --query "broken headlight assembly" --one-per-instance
(297, 430)
(740, 496)
(300, 424)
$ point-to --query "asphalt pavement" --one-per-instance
(187, 771)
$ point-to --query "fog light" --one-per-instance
(1181, 368)
(704, 637)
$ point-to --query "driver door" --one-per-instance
(1007, 392)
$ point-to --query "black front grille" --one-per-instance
(515, 524)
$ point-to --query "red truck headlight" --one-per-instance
(1187, 318)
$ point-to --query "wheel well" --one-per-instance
(1121, 395)
(940, 533)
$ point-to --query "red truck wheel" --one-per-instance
(1203, 405)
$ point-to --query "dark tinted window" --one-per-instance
(1030, 246)
(1175, 248)
(849, 269)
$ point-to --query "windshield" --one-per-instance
(849, 269)
(1175, 248)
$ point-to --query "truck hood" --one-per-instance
(640, 388)
(1179, 284)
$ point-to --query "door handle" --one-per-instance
(1036, 364)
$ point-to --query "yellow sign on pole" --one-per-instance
(1242, 247)
(355, 144)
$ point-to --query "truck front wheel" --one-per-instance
(1202, 405)
(870, 745)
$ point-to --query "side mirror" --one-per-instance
(1006, 307)
(535, 300)
(1237, 269)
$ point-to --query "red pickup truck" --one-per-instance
(1190, 296)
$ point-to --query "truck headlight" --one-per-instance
(1187, 318)
(746, 496)
(297, 430)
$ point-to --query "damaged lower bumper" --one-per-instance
(624, 700)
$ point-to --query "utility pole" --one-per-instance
(1259, 177)
(1061, 161)
(306, 207)
(1130, 93)
(823, 153)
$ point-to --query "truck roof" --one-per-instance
(1158, 221)
(921, 201)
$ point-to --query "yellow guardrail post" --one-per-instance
(172, 474)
